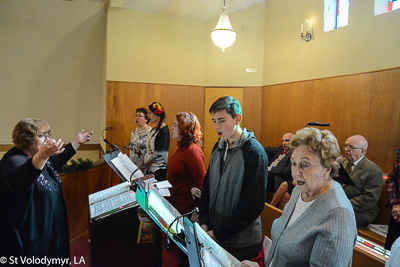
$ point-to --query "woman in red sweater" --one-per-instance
(185, 172)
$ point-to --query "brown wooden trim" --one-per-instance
(332, 77)
(4, 148)
(169, 84)
(82, 147)
(79, 236)
(90, 147)
(210, 86)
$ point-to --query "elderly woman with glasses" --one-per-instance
(33, 219)
(317, 226)
(137, 145)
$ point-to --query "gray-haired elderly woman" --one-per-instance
(317, 226)
(33, 219)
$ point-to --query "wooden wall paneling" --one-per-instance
(124, 97)
(77, 186)
(385, 111)
(366, 104)
(286, 109)
(252, 100)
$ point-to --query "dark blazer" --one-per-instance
(283, 169)
(281, 172)
(364, 196)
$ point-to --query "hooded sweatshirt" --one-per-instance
(233, 193)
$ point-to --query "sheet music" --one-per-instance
(112, 204)
(109, 192)
(162, 209)
(380, 229)
(222, 256)
(125, 166)
(208, 259)
(164, 192)
(163, 184)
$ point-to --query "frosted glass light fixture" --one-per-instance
(223, 34)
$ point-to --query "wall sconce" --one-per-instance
(308, 36)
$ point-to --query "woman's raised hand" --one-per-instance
(81, 138)
(51, 147)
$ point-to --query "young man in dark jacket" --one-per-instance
(233, 193)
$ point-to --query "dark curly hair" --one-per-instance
(26, 131)
(190, 129)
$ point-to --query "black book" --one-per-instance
(343, 177)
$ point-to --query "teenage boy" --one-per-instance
(233, 193)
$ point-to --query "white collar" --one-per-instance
(357, 161)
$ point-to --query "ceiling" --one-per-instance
(202, 10)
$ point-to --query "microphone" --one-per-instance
(113, 147)
(317, 124)
(181, 236)
(145, 166)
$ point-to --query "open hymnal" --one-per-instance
(380, 229)
(126, 167)
(111, 200)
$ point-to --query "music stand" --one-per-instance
(123, 166)
(110, 156)
(203, 250)
(160, 211)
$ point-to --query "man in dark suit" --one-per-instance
(367, 178)
(279, 169)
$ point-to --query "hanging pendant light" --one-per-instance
(223, 34)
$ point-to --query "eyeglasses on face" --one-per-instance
(44, 136)
(351, 147)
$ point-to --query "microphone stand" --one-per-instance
(145, 166)
(181, 236)
(110, 145)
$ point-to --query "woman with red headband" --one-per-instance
(157, 143)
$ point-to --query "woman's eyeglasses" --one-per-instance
(44, 136)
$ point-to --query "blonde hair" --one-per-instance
(26, 132)
(322, 142)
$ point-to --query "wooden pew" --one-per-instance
(382, 218)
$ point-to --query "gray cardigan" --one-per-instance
(324, 235)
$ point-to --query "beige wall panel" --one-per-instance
(154, 48)
(366, 44)
(52, 65)
(228, 69)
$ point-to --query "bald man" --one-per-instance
(367, 177)
(279, 169)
